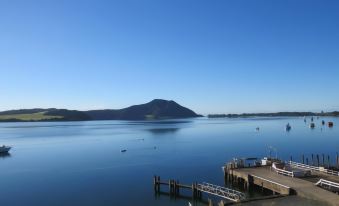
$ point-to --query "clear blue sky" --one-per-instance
(214, 56)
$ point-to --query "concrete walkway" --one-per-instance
(304, 188)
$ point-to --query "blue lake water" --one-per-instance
(80, 163)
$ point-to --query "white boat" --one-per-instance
(5, 149)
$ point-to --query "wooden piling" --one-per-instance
(170, 185)
(328, 162)
(178, 188)
(318, 160)
(210, 203)
(156, 184)
(312, 160)
(303, 159)
(323, 160)
(193, 191)
(262, 187)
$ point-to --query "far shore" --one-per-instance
(277, 114)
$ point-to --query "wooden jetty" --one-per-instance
(259, 176)
(174, 187)
(285, 182)
(282, 179)
(197, 189)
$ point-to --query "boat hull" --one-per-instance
(4, 149)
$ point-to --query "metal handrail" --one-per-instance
(327, 183)
(224, 192)
(267, 180)
(283, 172)
(319, 169)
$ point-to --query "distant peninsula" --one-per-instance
(156, 109)
(277, 114)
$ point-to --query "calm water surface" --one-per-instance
(80, 163)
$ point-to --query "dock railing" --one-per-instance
(270, 181)
(328, 184)
(282, 172)
(309, 167)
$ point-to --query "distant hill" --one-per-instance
(24, 115)
(156, 109)
(277, 114)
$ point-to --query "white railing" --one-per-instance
(282, 172)
(270, 181)
(327, 184)
(223, 192)
(309, 167)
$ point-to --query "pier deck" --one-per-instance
(302, 187)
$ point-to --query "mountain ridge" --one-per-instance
(155, 109)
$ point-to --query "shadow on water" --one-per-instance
(182, 197)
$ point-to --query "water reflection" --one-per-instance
(163, 122)
(157, 131)
(86, 161)
(5, 155)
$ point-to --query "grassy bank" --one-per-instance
(39, 116)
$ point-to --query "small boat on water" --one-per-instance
(288, 127)
(123, 150)
(323, 122)
(330, 124)
(4, 149)
(312, 125)
(257, 129)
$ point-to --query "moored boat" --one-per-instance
(288, 127)
(330, 124)
(4, 149)
(312, 125)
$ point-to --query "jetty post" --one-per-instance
(194, 192)
(156, 183)
(303, 159)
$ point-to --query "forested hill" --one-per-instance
(156, 109)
